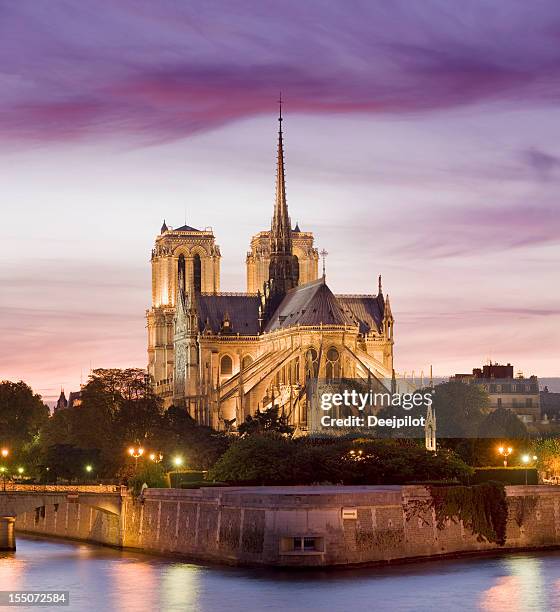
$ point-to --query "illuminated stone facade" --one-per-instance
(258, 259)
(223, 356)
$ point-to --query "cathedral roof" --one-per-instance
(242, 311)
(365, 310)
(186, 228)
(310, 304)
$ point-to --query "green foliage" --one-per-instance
(459, 408)
(201, 446)
(149, 473)
(502, 423)
(69, 462)
(547, 451)
(274, 459)
(482, 509)
(507, 476)
(118, 408)
(483, 452)
(267, 421)
(22, 415)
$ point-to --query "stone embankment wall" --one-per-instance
(296, 526)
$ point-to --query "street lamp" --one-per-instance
(526, 460)
(177, 462)
(505, 452)
(136, 452)
(156, 457)
(89, 469)
(4, 452)
(21, 470)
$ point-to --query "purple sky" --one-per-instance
(422, 139)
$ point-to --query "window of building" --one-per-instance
(181, 272)
(226, 366)
(247, 361)
(305, 544)
(197, 273)
(332, 369)
(529, 402)
(499, 402)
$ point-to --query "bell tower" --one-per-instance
(184, 259)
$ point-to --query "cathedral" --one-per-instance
(223, 356)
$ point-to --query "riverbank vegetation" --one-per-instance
(118, 409)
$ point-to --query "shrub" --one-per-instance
(272, 460)
(149, 473)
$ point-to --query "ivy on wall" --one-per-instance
(481, 508)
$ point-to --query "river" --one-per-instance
(101, 578)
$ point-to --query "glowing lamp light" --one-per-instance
(4, 452)
(89, 468)
(177, 461)
(21, 470)
(525, 458)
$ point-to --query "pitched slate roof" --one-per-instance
(186, 228)
(310, 304)
(365, 310)
(241, 309)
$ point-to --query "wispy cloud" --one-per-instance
(543, 164)
(480, 229)
(168, 70)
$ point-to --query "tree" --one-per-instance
(547, 451)
(502, 424)
(201, 445)
(69, 462)
(459, 409)
(22, 415)
(118, 408)
(269, 420)
(149, 473)
(273, 459)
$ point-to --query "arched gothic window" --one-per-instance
(197, 273)
(181, 272)
(332, 369)
(247, 361)
(226, 366)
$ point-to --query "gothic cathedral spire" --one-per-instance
(283, 271)
(281, 231)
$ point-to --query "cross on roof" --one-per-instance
(324, 254)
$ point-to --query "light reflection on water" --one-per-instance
(105, 579)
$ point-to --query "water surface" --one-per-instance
(101, 578)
